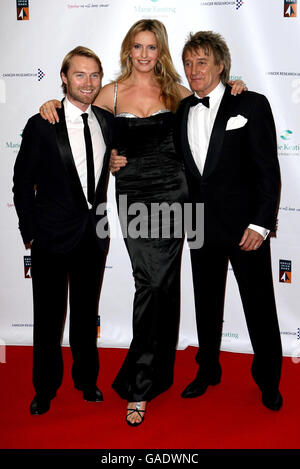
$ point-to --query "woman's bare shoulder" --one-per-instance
(105, 98)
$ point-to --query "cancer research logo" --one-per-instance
(236, 3)
(290, 8)
(39, 75)
(295, 333)
(285, 271)
(22, 10)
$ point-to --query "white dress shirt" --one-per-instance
(200, 124)
(74, 124)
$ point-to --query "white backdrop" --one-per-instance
(264, 47)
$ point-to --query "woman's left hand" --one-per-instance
(238, 86)
(116, 161)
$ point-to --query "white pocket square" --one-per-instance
(236, 122)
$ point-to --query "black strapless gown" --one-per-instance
(154, 174)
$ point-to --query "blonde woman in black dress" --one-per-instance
(144, 99)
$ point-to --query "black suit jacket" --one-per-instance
(48, 195)
(240, 183)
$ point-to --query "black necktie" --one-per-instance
(194, 101)
(89, 160)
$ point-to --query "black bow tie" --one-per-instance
(194, 101)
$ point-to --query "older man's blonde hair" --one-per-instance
(210, 43)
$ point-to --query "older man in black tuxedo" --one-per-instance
(60, 178)
(230, 151)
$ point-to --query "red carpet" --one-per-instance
(228, 416)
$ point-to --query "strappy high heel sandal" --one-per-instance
(138, 410)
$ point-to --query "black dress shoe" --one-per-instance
(272, 399)
(40, 405)
(94, 395)
(198, 387)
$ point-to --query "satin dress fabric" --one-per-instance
(154, 174)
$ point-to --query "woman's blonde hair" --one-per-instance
(164, 70)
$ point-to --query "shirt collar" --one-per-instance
(215, 95)
(73, 113)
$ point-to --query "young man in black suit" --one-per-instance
(60, 178)
(230, 151)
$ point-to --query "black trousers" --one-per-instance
(80, 271)
(254, 277)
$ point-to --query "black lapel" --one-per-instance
(104, 124)
(106, 132)
(217, 134)
(185, 141)
(65, 151)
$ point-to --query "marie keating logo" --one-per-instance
(285, 271)
(152, 221)
(154, 9)
(286, 135)
(22, 10)
(235, 77)
(39, 75)
(287, 147)
(15, 146)
(228, 336)
(290, 8)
